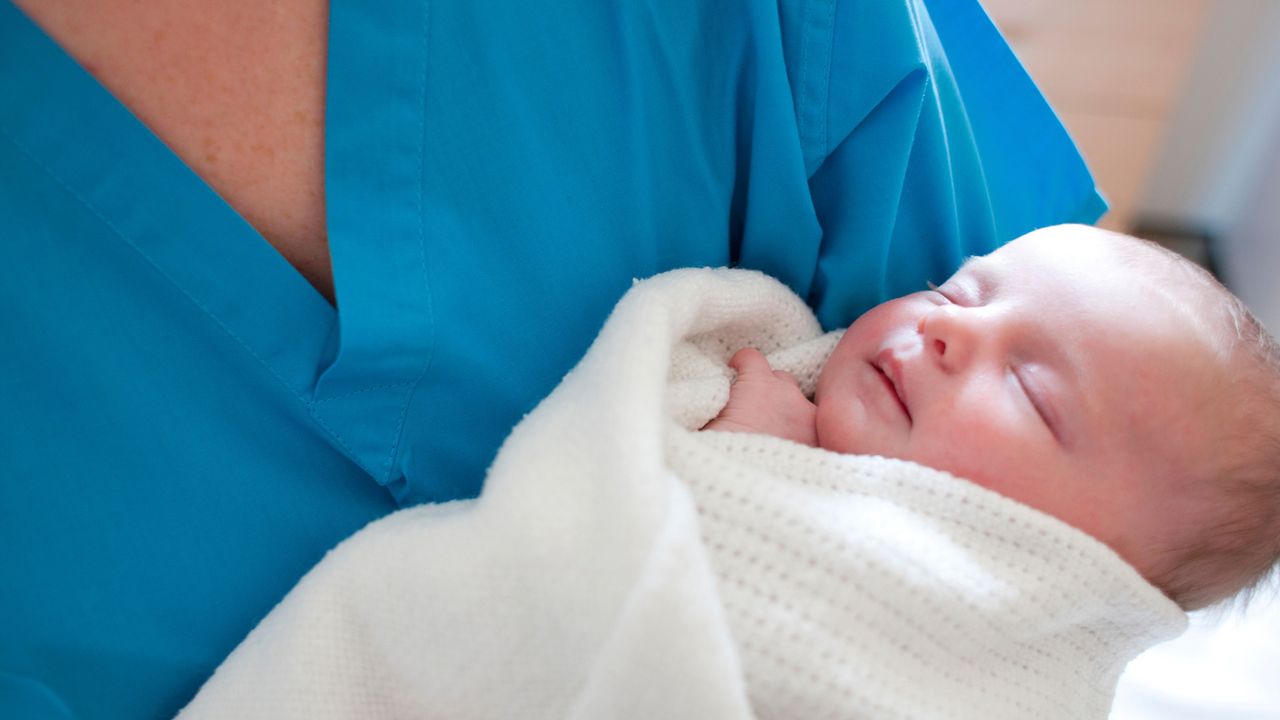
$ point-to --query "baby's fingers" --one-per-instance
(787, 377)
(749, 361)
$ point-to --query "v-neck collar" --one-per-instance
(356, 376)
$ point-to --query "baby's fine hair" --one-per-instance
(1239, 554)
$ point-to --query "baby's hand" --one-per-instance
(766, 401)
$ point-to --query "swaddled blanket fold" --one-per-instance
(621, 565)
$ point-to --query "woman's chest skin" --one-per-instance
(235, 88)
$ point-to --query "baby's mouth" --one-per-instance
(892, 378)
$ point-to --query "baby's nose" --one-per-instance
(948, 335)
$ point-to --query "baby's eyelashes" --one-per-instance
(935, 292)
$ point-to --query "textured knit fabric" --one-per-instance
(622, 565)
(863, 587)
(186, 426)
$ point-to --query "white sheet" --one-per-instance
(1226, 667)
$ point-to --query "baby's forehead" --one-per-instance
(1101, 269)
(1150, 339)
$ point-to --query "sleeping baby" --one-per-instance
(1094, 377)
(1004, 489)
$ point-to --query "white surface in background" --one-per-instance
(1226, 667)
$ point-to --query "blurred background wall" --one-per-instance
(1176, 106)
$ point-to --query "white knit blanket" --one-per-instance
(620, 565)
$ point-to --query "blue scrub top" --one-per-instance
(186, 425)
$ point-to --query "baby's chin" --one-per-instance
(843, 433)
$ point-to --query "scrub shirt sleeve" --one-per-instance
(924, 142)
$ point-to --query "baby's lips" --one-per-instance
(889, 364)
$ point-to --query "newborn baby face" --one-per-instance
(1045, 371)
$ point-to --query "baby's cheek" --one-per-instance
(984, 447)
(837, 431)
(847, 427)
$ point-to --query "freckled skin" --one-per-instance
(235, 88)
(1135, 400)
